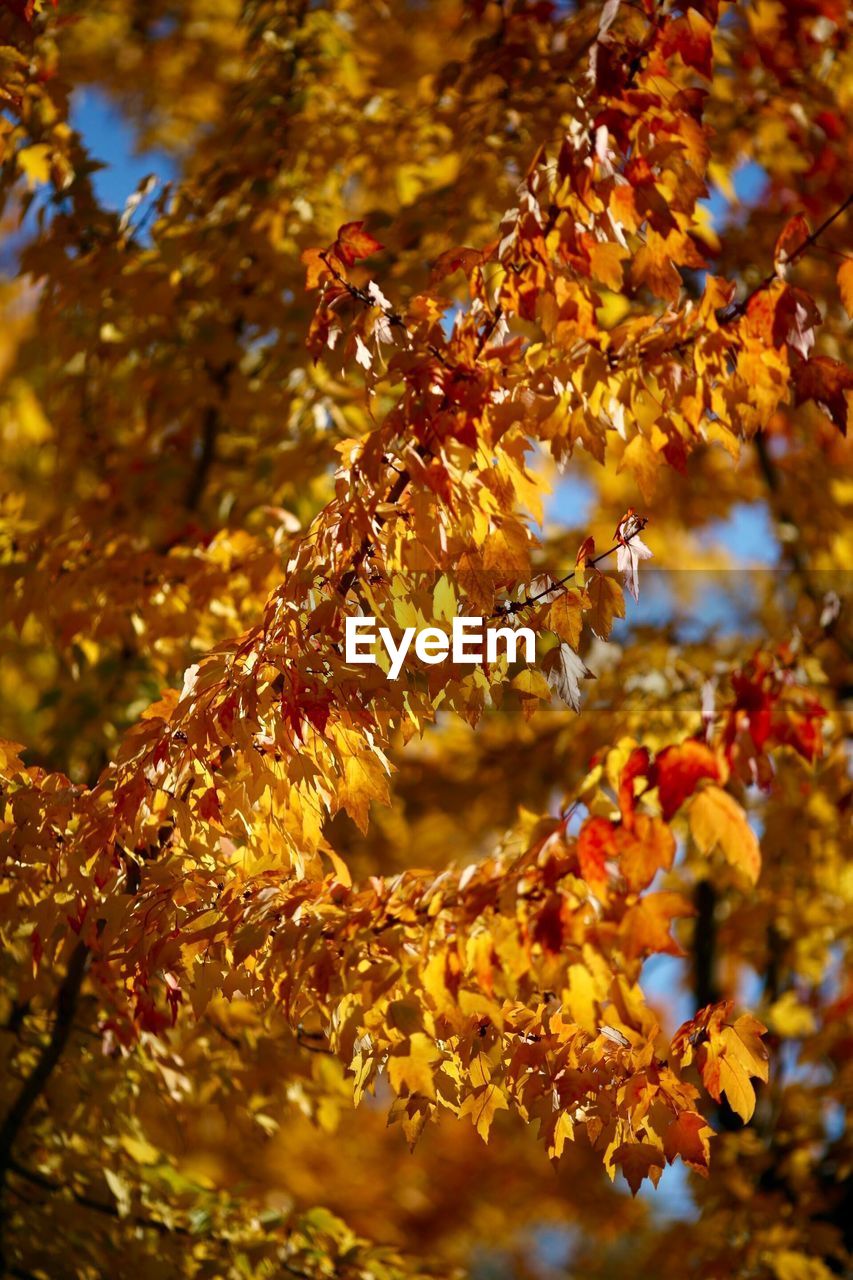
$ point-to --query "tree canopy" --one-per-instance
(446, 308)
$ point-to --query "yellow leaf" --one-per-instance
(410, 1066)
(582, 1000)
(564, 1131)
(444, 599)
(733, 1056)
(341, 869)
(481, 1107)
(532, 684)
(35, 163)
(789, 1018)
(364, 780)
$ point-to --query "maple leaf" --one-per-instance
(829, 383)
(606, 604)
(564, 669)
(645, 927)
(637, 765)
(845, 285)
(631, 550)
(639, 1160)
(482, 1107)
(691, 38)
(679, 769)
(717, 820)
(410, 1066)
(732, 1057)
(687, 1137)
(565, 618)
(317, 269)
(789, 243)
(354, 243)
(645, 847)
(596, 843)
(365, 780)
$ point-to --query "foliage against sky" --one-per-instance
(417, 260)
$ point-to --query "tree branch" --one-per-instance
(33, 1086)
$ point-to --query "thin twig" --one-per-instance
(517, 606)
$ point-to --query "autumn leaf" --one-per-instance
(596, 844)
(690, 38)
(789, 243)
(365, 780)
(316, 268)
(565, 618)
(829, 383)
(645, 927)
(733, 1056)
(679, 769)
(845, 285)
(482, 1107)
(605, 262)
(410, 1066)
(354, 243)
(34, 161)
(718, 821)
(687, 1137)
(638, 1161)
(645, 846)
(564, 670)
(628, 558)
(606, 604)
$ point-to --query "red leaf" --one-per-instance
(690, 38)
(549, 926)
(636, 766)
(586, 550)
(791, 239)
(678, 771)
(827, 382)
(354, 243)
(462, 259)
(596, 843)
(208, 806)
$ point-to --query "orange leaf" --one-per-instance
(605, 260)
(645, 927)
(733, 1056)
(644, 849)
(845, 284)
(717, 820)
(687, 1137)
(586, 550)
(316, 268)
